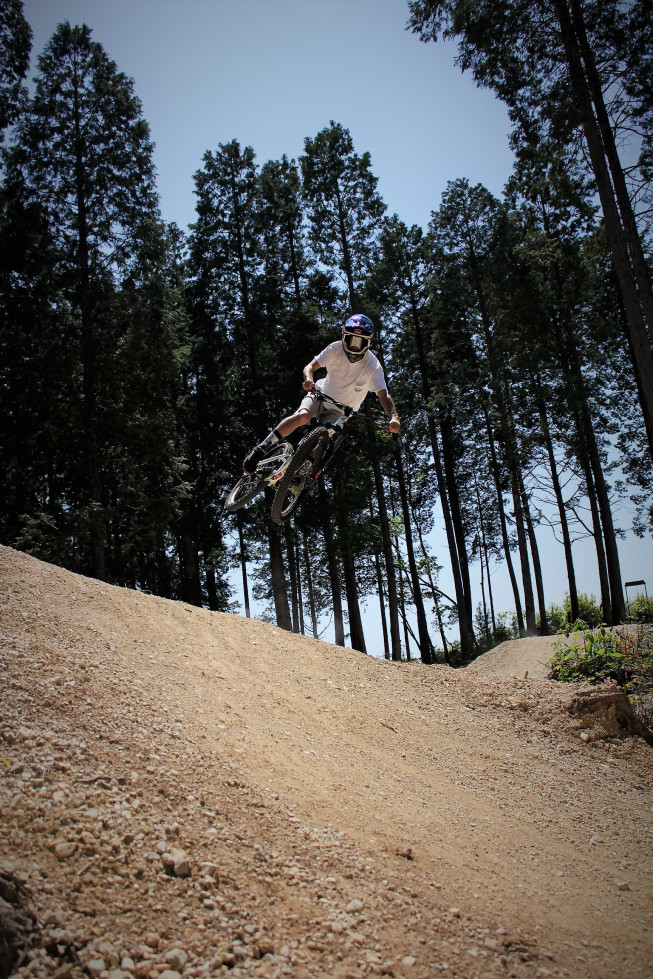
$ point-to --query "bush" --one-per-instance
(594, 657)
(601, 655)
(556, 618)
(486, 638)
(590, 614)
(505, 630)
(641, 609)
(559, 616)
(455, 653)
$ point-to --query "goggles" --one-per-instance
(356, 342)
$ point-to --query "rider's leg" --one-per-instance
(287, 425)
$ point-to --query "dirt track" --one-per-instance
(191, 793)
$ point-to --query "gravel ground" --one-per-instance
(518, 658)
(187, 793)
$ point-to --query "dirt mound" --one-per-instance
(518, 658)
(187, 793)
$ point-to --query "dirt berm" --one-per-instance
(187, 793)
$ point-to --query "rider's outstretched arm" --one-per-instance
(309, 380)
(389, 408)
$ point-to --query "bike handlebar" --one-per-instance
(347, 410)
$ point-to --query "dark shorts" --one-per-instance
(324, 411)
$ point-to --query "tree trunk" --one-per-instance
(634, 302)
(529, 602)
(89, 366)
(191, 587)
(356, 634)
(514, 470)
(456, 517)
(425, 644)
(485, 554)
(436, 599)
(243, 563)
(404, 617)
(562, 511)
(332, 564)
(300, 596)
(486, 621)
(382, 606)
(391, 577)
(292, 574)
(633, 239)
(504, 526)
(506, 434)
(617, 604)
(604, 583)
(535, 555)
(464, 622)
(615, 610)
(278, 578)
(210, 582)
(311, 592)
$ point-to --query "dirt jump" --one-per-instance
(186, 793)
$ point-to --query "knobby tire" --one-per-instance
(284, 503)
(245, 490)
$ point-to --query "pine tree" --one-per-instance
(576, 68)
(344, 206)
(81, 168)
(344, 211)
(15, 48)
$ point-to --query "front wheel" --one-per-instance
(300, 474)
(245, 490)
(269, 470)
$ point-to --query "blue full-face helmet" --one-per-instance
(357, 334)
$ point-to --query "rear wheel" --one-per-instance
(300, 475)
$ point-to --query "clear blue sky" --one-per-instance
(271, 72)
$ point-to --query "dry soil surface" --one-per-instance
(187, 793)
(519, 658)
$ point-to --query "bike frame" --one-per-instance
(272, 471)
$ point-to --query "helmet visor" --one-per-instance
(356, 343)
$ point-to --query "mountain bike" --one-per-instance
(291, 471)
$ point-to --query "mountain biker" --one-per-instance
(352, 371)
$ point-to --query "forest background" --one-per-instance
(120, 454)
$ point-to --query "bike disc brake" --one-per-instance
(272, 467)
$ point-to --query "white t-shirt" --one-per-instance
(347, 382)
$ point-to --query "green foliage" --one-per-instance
(641, 609)
(556, 618)
(15, 46)
(343, 205)
(559, 616)
(505, 631)
(91, 330)
(487, 638)
(594, 656)
(455, 653)
(602, 656)
(41, 538)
